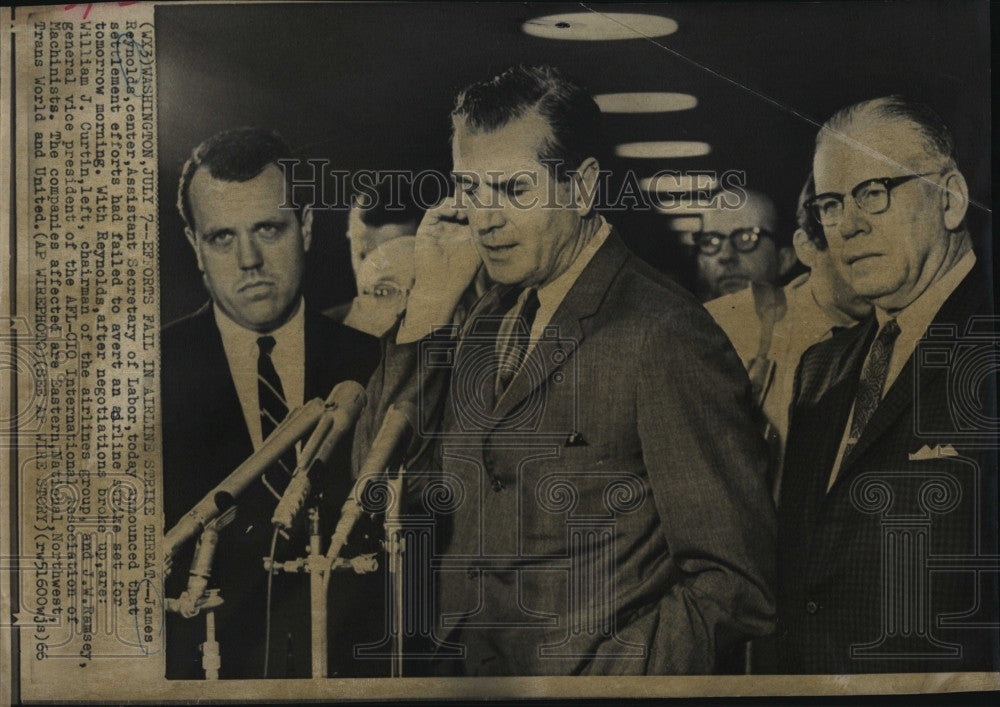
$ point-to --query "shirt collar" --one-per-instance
(550, 296)
(242, 341)
(812, 322)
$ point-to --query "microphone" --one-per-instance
(388, 449)
(295, 426)
(201, 565)
(341, 411)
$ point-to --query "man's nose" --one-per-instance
(488, 219)
(852, 221)
(248, 253)
(727, 253)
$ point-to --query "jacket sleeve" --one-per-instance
(707, 464)
(403, 376)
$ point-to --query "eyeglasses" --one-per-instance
(386, 288)
(744, 240)
(871, 196)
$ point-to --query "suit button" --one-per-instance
(471, 574)
(811, 607)
(497, 484)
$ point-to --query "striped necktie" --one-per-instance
(872, 381)
(271, 398)
(513, 338)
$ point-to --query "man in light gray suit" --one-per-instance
(596, 479)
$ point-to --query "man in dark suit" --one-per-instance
(887, 521)
(594, 479)
(231, 372)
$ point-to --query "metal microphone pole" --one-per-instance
(317, 564)
(395, 546)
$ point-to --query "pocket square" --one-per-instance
(937, 452)
(575, 440)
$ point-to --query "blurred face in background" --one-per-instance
(737, 246)
(365, 238)
(385, 278)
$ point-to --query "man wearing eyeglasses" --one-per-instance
(887, 531)
(771, 327)
(737, 246)
(381, 225)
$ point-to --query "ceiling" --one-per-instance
(370, 85)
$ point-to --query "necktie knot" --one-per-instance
(889, 331)
(266, 345)
(872, 383)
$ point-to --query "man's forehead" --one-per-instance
(753, 212)
(867, 151)
(511, 148)
(217, 199)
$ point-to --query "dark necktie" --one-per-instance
(271, 398)
(872, 382)
(513, 338)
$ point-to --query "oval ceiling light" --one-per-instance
(592, 26)
(666, 182)
(675, 148)
(655, 102)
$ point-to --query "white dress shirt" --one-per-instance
(550, 296)
(288, 357)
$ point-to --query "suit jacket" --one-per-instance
(880, 574)
(204, 439)
(609, 513)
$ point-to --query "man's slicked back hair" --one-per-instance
(236, 155)
(567, 107)
(936, 138)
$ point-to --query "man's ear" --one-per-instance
(954, 199)
(193, 240)
(805, 249)
(786, 260)
(584, 185)
(307, 226)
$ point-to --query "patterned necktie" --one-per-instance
(513, 338)
(271, 398)
(872, 382)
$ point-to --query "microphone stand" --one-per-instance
(319, 567)
(395, 546)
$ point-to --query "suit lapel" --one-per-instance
(960, 305)
(829, 387)
(564, 333)
(217, 389)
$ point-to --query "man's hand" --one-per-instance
(445, 258)
(445, 264)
